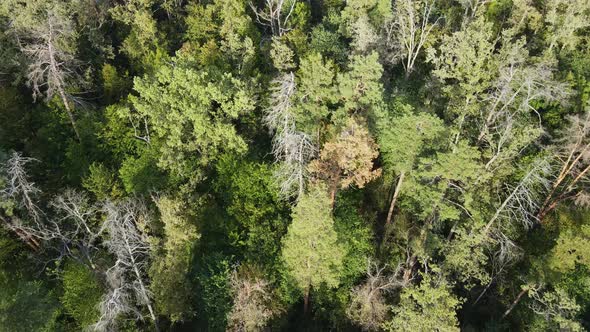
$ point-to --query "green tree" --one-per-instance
(402, 140)
(310, 248)
(431, 306)
(171, 267)
(81, 295)
(190, 116)
(26, 305)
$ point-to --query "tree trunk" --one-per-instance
(144, 291)
(69, 111)
(306, 301)
(394, 199)
(55, 69)
(27, 238)
(518, 298)
(333, 191)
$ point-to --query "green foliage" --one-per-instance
(190, 113)
(205, 112)
(431, 306)
(310, 248)
(170, 270)
(102, 182)
(215, 291)
(141, 175)
(251, 197)
(81, 294)
(26, 305)
(115, 85)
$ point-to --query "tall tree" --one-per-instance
(409, 30)
(190, 116)
(347, 160)
(402, 140)
(48, 37)
(132, 249)
(310, 249)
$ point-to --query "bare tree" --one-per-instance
(471, 8)
(292, 149)
(21, 192)
(49, 45)
(572, 155)
(131, 248)
(368, 307)
(523, 200)
(71, 231)
(275, 14)
(409, 30)
(279, 117)
(116, 302)
(513, 94)
(251, 309)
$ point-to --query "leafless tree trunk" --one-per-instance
(306, 300)
(409, 30)
(131, 248)
(573, 155)
(292, 149)
(368, 307)
(398, 187)
(48, 45)
(518, 298)
(275, 14)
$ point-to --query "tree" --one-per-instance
(408, 30)
(251, 309)
(557, 308)
(310, 248)
(571, 159)
(359, 89)
(368, 307)
(428, 307)
(402, 140)
(191, 115)
(292, 148)
(144, 43)
(128, 276)
(82, 294)
(26, 305)
(564, 19)
(347, 160)
(47, 37)
(171, 264)
(19, 192)
(275, 14)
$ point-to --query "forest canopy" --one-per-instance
(290, 165)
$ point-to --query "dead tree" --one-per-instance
(116, 302)
(513, 94)
(21, 192)
(409, 30)
(49, 43)
(71, 232)
(251, 308)
(368, 307)
(572, 156)
(292, 149)
(131, 248)
(523, 200)
(275, 15)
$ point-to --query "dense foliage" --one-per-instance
(374, 165)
